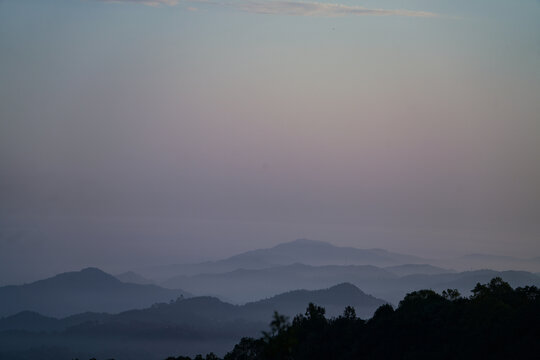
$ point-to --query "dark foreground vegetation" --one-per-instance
(495, 322)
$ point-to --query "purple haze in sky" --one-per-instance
(135, 133)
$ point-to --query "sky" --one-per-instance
(135, 133)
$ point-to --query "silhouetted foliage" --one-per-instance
(210, 356)
(383, 312)
(279, 323)
(349, 313)
(496, 322)
(451, 294)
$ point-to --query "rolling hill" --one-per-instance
(201, 312)
(244, 285)
(75, 292)
(308, 252)
(188, 325)
(250, 285)
(412, 269)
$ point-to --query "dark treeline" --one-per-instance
(495, 322)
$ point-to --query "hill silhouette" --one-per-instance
(246, 285)
(34, 322)
(74, 292)
(199, 314)
(334, 299)
(413, 269)
(320, 253)
(183, 325)
(495, 322)
(309, 252)
(252, 284)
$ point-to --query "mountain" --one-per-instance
(34, 322)
(499, 262)
(499, 323)
(303, 251)
(249, 285)
(312, 252)
(462, 281)
(74, 292)
(133, 278)
(188, 325)
(334, 299)
(201, 312)
(411, 269)
(30, 321)
(244, 285)
(319, 253)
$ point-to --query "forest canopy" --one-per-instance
(496, 322)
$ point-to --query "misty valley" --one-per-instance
(269, 179)
(274, 304)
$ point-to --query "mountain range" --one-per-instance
(195, 311)
(319, 253)
(87, 290)
(183, 325)
(247, 285)
(198, 308)
(304, 251)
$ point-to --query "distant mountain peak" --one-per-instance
(309, 241)
(346, 289)
(335, 297)
(344, 286)
(305, 251)
(306, 242)
(93, 270)
(89, 274)
(89, 289)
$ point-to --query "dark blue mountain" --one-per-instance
(309, 252)
(75, 292)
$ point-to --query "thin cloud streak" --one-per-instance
(292, 8)
(145, 2)
(297, 8)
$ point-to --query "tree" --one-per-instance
(314, 312)
(496, 322)
(383, 312)
(349, 313)
(278, 324)
(451, 294)
(246, 349)
(496, 287)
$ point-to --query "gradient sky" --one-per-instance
(142, 132)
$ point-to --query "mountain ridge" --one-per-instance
(244, 285)
(89, 289)
(309, 252)
(203, 310)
